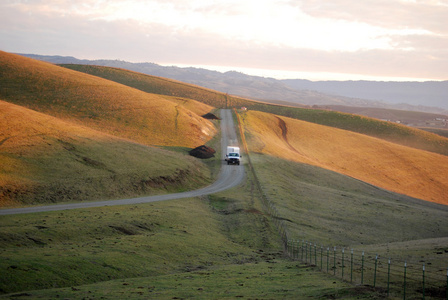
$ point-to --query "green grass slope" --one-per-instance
(100, 104)
(327, 209)
(46, 160)
(332, 209)
(217, 247)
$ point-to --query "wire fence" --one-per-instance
(391, 278)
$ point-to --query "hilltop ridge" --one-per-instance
(100, 104)
(413, 96)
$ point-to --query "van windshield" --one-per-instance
(233, 155)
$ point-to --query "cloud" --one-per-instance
(180, 32)
(390, 14)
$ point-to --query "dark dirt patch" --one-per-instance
(178, 178)
(434, 292)
(21, 295)
(210, 116)
(202, 152)
(122, 230)
(36, 241)
(374, 293)
(284, 130)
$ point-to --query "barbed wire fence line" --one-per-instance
(393, 278)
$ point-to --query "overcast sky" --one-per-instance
(308, 39)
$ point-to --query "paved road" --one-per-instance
(229, 176)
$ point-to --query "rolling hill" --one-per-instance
(47, 160)
(397, 168)
(120, 103)
(403, 95)
(419, 96)
(68, 136)
(100, 104)
(386, 131)
(176, 91)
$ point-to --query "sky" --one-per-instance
(307, 39)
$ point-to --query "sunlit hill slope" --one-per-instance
(182, 92)
(417, 178)
(381, 153)
(68, 136)
(100, 104)
(413, 172)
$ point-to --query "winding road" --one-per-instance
(229, 176)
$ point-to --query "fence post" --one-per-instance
(294, 249)
(321, 250)
(328, 252)
(374, 275)
(302, 249)
(351, 266)
(388, 276)
(294, 252)
(334, 260)
(291, 247)
(311, 254)
(404, 281)
(288, 248)
(298, 248)
(423, 281)
(362, 268)
(342, 263)
(306, 252)
(315, 254)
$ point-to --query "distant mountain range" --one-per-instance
(430, 96)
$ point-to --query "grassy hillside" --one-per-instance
(441, 132)
(100, 104)
(388, 131)
(405, 170)
(405, 117)
(44, 159)
(333, 209)
(221, 246)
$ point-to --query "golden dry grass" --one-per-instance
(100, 104)
(397, 168)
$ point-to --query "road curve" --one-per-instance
(229, 176)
